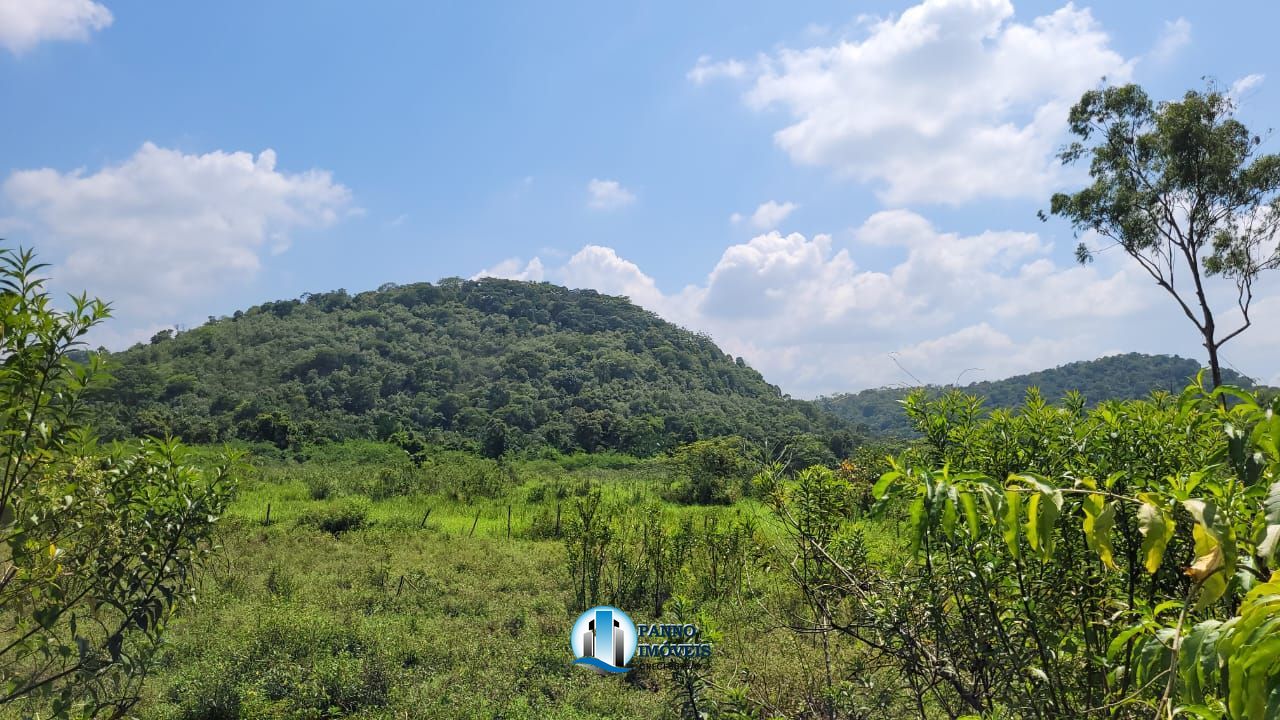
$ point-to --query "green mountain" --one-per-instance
(1117, 377)
(492, 364)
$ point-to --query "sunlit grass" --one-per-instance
(432, 605)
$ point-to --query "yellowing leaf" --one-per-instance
(1207, 563)
(1042, 517)
(1205, 570)
(1157, 528)
(1099, 518)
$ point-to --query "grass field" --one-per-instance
(380, 590)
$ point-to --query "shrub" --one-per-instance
(709, 472)
(464, 476)
(101, 546)
(320, 485)
(1067, 560)
(339, 516)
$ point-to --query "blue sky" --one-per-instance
(831, 190)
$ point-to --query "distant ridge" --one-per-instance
(1116, 377)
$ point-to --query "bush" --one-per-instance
(464, 476)
(356, 452)
(709, 472)
(320, 485)
(339, 516)
(1107, 550)
(395, 481)
(112, 539)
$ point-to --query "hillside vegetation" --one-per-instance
(493, 365)
(1118, 377)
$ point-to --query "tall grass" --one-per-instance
(384, 589)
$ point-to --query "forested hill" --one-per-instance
(493, 364)
(1117, 377)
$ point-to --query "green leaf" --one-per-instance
(949, 517)
(1204, 712)
(1198, 665)
(1156, 526)
(1033, 515)
(970, 507)
(915, 515)
(1042, 517)
(1122, 639)
(1245, 398)
(882, 485)
(1013, 510)
(1099, 518)
(1266, 435)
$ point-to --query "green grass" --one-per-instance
(381, 623)
(451, 618)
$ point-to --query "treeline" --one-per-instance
(1131, 376)
(489, 365)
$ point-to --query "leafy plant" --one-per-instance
(341, 515)
(1111, 583)
(709, 472)
(97, 548)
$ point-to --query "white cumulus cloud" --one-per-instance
(608, 195)
(602, 269)
(949, 101)
(166, 227)
(768, 215)
(26, 23)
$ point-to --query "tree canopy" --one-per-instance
(1181, 188)
(491, 365)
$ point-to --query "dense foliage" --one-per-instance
(492, 365)
(97, 547)
(1117, 377)
(1109, 563)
